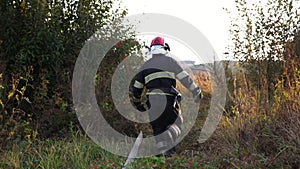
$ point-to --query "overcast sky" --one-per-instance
(208, 16)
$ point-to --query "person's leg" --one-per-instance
(167, 126)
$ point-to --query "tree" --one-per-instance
(260, 33)
(44, 38)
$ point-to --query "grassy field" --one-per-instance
(81, 152)
(246, 137)
(224, 150)
(242, 142)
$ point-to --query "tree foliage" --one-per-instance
(261, 30)
(263, 35)
(264, 90)
(41, 40)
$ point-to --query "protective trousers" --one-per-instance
(166, 119)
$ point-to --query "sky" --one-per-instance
(207, 16)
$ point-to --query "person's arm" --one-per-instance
(137, 90)
(187, 81)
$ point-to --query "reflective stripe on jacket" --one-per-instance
(161, 71)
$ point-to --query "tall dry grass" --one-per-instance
(251, 134)
(256, 137)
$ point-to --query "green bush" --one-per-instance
(47, 36)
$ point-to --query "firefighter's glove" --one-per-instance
(197, 94)
(139, 106)
(136, 102)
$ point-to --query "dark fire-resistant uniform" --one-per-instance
(158, 75)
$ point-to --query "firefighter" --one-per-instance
(157, 77)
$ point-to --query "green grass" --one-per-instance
(79, 152)
(247, 140)
(252, 141)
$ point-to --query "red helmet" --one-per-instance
(158, 41)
